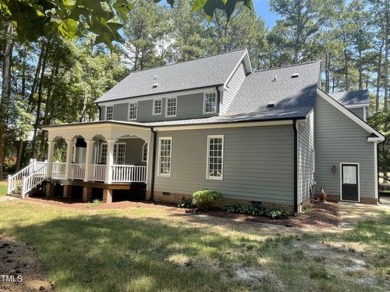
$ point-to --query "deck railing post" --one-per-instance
(8, 184)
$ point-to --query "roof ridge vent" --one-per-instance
(275, 78)
(155, 85)
(295, 75)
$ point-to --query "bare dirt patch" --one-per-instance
(20, 269)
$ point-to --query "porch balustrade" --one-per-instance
(97, 172)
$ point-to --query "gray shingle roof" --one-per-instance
(209, 71)
(347, 98)
(292, 97)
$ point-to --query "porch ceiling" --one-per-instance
(109, 130)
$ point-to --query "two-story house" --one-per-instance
(269, 136)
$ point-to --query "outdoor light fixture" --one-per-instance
(334, 169)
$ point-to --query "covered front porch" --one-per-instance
(98, 155)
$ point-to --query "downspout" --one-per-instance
(153, 176)
(100, 112)
(295, 166)
(218, 98)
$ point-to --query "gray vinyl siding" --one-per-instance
(339, 139)
(121, 111)
(145, 111)
(258, 163)
(133, 151)
(359, 112)
(233, 87)
(305, 158)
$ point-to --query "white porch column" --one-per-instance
(50, 152)
(69, 157)
(88, 158)
(109, 161)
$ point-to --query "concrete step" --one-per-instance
(19, 196)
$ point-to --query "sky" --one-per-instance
(262, 10)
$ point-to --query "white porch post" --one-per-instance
(68, 158)
(50, 151)
(109, 161)
(88, 158)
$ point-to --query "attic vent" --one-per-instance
(271, 104)
(295, 75)
(155, 85)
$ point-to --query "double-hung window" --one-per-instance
(171, 107)
(210, 103)
(215, 157)
(119, 153)
(165, 156)
(145, 152)
(109, 113)
(157, 107)
(133, 111)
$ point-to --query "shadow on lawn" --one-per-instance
(105, 253)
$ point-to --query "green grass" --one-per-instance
(3, 188)
(146, 249)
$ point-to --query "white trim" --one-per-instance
(376, 170)
(352, 116)
(354, 106)
(221, 126)
(341, 179)
(153, 107)
(157, 96)
(364, 114)
(204, 103)
(105, 117)
(128, 111)
(159, 157)
(166, 107)
(209, 137)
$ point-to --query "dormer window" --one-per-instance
(210, 103)
(109, 113)
(133, 111)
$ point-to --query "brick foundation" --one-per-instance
(87, 194)
(67, 191)
(176, 198)
(49, 190)
(107, 196)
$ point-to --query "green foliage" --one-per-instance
(256, 210)
(205, 199)
(185, 203)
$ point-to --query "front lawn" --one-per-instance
(3, 188)
(154, 249)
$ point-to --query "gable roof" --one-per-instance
(374, 136)
(204, 72)
(352, 98)
(291, 89)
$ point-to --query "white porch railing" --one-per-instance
(78, 171)
(16, 181)
(58, 170)
(34, 179)
(128, 173)
(97, 172)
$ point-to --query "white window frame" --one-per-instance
(145, 152)
(115, 153)
(208, 176)
(154, 107)
(130, 112)
(205, 95)
(112, 112)
(166, 107)
(159, 156)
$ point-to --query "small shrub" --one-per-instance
(204, 199)
(185, 203)
(256, 210)
(95, 203)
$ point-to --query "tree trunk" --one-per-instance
(20, 156)
(327, 72)
(378, 79)
(386, 73)
(7, 57)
